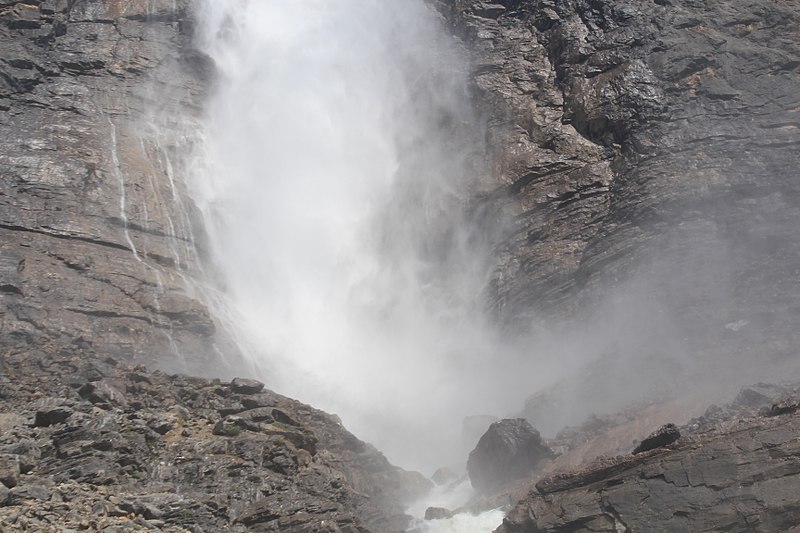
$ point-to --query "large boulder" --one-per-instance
(663, 436)
(509, 450)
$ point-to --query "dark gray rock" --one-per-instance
(259, 400)
(20, 495)
(26, 451)
(10, 267)
(283, 418)
(509, 450)
(230, 426)
(246, 386)
(261, 414)
(784, 407)
(162, 424)
(663, 436)
(755, 396)
(103, 392)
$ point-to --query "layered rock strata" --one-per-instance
(97, 238)
(742, 475)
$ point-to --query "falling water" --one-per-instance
(340, 143)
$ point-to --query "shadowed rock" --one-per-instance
(55, 415)
(666, 434)
(511, 449)
(784, 407)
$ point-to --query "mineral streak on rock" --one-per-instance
(97, 235)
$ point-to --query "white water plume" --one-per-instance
(340, 144)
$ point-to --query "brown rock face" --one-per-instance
(646, 153)
(97, 237)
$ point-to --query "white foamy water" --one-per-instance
(453, 496)
(464, 523)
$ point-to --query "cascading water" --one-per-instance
(338, 148)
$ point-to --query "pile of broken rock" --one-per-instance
(95, 445)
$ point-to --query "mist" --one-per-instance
(340, 150)
(341, 154)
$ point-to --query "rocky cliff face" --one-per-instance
(646, 151)
(732, 470)
(98, 239)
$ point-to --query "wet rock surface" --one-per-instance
(143, 450)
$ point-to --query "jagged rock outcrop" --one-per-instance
(663, 436)
(97, 238)
(647, 153)
(90, 443)
(742, 476)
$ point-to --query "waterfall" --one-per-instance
(340, 146)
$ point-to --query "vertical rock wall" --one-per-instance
(646, 153)
(97, 236)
